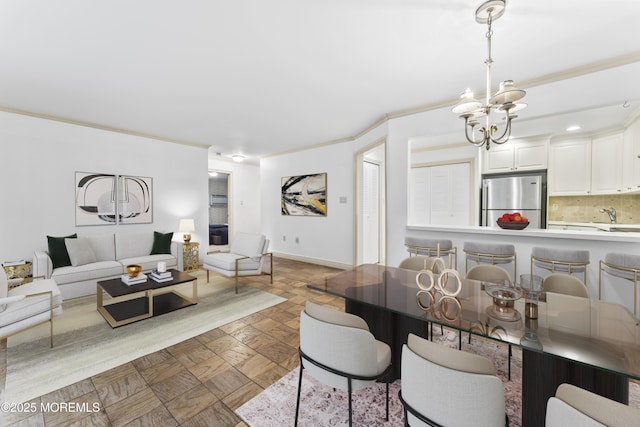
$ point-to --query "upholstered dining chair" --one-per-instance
(28, 305)
(446, 387)
(420, 262)
(494, 274)
(338, 350)
(575, 407)
(563, 283)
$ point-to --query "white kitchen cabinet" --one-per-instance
(631, 158)
(569, 171)
(606, 164)
(516, 155)
(440, 195)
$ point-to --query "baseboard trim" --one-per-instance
(318, 261)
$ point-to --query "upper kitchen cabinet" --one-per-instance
(516, 156)
(606, 161)
(569, 172)
(631, 158)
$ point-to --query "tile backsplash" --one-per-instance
(587, 208)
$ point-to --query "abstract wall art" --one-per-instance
(304, 195)
(107, 199)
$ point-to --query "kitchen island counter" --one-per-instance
(598, 243)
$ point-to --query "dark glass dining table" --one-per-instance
(590, 343)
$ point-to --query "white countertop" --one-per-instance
(603, 226)
(536, 232)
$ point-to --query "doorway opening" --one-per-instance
(371, 210)
(219, 209)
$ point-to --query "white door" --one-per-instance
(371, 212)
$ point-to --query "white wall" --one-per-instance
(39, 159)
(328, 240)
(245, 196)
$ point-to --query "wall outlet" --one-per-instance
(297, 240)
(284, 238)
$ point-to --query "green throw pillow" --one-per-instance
(58, 250)
(161, 243)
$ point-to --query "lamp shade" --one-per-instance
(187, 226)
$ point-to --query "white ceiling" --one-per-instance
(260, 77)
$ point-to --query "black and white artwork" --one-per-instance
(106, 199)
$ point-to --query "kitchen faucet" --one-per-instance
(612, 214)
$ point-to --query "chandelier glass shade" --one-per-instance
(505, 100)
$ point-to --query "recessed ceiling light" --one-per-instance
(573, 128)
(237, 157)
(213, 173)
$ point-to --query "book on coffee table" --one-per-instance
(161, 277)
(140, 278)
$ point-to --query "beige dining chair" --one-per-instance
(337, 349)
(563, 283)
(494, 274)
(446, 387)
(575, 407)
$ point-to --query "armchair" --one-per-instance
(28, 305)
(246, 257)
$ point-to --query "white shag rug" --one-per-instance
(85, 345)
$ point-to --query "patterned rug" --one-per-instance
(322, 406)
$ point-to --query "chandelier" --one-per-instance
(470, 109)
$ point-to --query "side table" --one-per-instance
(191, 256)
(18, 273)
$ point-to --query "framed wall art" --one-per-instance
(107, 199)
(95, 199)
(304, 195)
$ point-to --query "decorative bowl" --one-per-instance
(134, 270)
(502, 295)
(511, 225)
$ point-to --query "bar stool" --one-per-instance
(621, 265)
(562, 260)
(489, 253)
(432, 248)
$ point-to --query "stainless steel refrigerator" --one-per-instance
(526, 194)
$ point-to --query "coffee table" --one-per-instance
(131, 303)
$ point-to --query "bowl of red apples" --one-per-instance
(513, 221)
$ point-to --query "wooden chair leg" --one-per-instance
(207, 276)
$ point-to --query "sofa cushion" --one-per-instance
(150, 262)
(132, 245)
(31, 306)
(103, 246)
(80, 252)
(161, 243)
(94, 271)
(58, 250)
(247, 244)
(227, 261)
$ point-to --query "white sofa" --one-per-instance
(112, 253)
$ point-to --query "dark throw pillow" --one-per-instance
(58, 250)
(161, 243)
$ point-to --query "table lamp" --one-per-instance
(186, 227)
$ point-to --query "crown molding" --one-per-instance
(101, 127)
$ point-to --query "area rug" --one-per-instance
(322, 406)
(85, 345)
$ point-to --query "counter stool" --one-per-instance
(432, 248)
(621, 265)
(489, 253)
(562, 260)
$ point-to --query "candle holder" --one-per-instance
(531, 286)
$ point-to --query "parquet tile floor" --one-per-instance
(201, 381)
